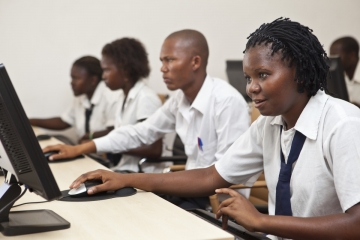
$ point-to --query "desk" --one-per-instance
(141, 216)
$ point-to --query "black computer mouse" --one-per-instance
(43, 137)
(81, 191)
(48, 154)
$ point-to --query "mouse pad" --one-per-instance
(123, 192)
(67, 159)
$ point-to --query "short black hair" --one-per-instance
(348, 44)
(91, 65)
(298, 45)
(130, 57)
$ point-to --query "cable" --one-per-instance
(29, 203)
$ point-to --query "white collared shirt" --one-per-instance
(103, 114)
(218, 116)
(353, 87)
(140, 104)
(325, 179)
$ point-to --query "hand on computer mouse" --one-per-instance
(67, 151)
(111, 181)
(63, 151)
(47, 155)
(82, 190)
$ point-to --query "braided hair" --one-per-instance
(298, 45)
(91, 65)
(130, 57)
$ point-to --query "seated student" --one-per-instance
(285, 66)
(125, 64)
(92, 110)
(207, 114)
(348, 50)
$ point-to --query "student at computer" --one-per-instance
(348, 50)
(207, 113)
(125, 64)
(92, 110)
(318, 196)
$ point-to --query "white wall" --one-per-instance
(40, 39)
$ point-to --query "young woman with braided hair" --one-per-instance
(306, 142)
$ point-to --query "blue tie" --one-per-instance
(282, 204)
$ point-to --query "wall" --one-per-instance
(39, 39)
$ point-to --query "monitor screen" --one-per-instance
(235, 74)
(336, 79)
(21, 157)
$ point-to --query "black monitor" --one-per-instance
(235, 74)
(23, 163)
(336, 79)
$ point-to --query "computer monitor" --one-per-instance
(336, 80)
(23, 163)
(235, 74)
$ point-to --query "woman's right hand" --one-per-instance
(111, 181)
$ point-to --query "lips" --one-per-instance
(259, 102)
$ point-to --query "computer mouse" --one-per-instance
(48, 154)
(41, 137)
(81, 191)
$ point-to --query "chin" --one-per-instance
(171, 87)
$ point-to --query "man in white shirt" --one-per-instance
(207, 113)
(348, 50)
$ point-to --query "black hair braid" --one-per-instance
(298, 45)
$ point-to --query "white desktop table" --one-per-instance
(141, 216)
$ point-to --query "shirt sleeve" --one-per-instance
(243, 162)
(344, 155)
(68, 115)
(231, 121)
(146, 132)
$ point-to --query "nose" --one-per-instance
(163, 68)
(253, 88)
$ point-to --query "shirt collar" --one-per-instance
(353, 81)
(135, 89)
(309, 120)
(202, 98)
(96, 97)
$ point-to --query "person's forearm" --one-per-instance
(203, 182)
(50, 123)
(337, 226)
(101, 133)
(150, 151)
(86, 148)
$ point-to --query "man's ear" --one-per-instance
(196, 62)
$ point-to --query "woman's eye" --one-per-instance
(263, 75)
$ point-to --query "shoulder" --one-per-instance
(223, 92)
(146, 94)
(338, 109)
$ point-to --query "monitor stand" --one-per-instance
(24, 222)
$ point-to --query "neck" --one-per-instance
(90, 94)
(192, 90)
(290, 118)
(350, 73)
(127, 87)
